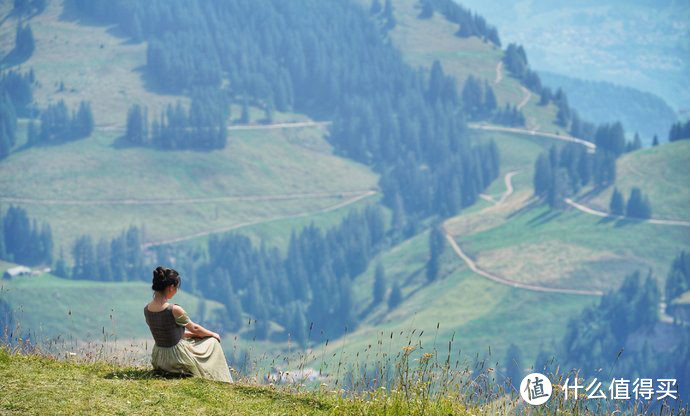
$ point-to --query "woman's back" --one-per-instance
(164, 328)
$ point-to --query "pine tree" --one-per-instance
(3, 251)
(379, 284)
(638, 205)
(83, 121)
(136, 125)
(244, 118)
(299, 326)
(637, 142)
(655, 141)
(103, 259)
(542, 175)
(24, 42)
(133, 253)
(85, 265)
(118, 258)
(617, 204)
(436, 246)
(46, 237)
(60, 269)
(395, 297)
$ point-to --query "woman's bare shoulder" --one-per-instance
(177, 310)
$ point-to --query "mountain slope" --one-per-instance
(49, 307)
(421, 41)
(661, 173)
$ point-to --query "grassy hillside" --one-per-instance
(520, 240)
(482, 318)
(661, 173)
(524, 241)
(260, 175)
(48, 307)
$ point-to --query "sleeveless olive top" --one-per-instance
(166, 330)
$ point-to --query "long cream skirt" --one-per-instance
(200, 357)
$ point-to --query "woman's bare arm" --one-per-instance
(193, 329)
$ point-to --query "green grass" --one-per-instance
(35, 384)
(661, 173)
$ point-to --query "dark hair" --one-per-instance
(164, 277)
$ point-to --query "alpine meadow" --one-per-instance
(381, 206)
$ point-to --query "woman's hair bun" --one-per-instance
(164, 277)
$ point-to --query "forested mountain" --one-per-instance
(605, 102)
(321, 57)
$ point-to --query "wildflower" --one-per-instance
(408, 349)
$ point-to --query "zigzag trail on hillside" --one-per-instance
(473, 266)
(261, 221)
(499, 74)
(591, 211)
(525, 99)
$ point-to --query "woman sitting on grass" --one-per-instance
(196, 351)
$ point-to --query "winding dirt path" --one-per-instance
(499, 72)
(260, 221)
(287, 125)
(274, 197)
(480, 126)
(498, 279)
(598, 213)
(526, 97)
(291, 125)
